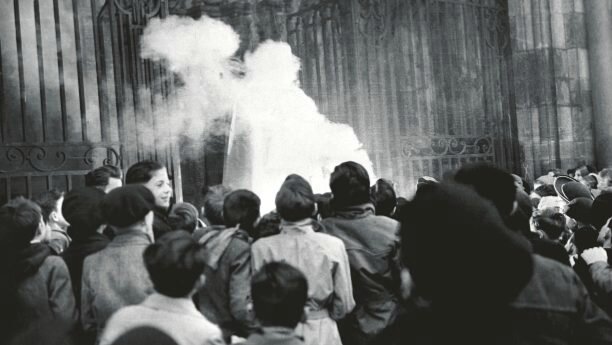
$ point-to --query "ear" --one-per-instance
(53, 216)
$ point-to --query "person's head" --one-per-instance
(551, 223)
(583, 171)
(50, 203)
(590, 181)
(183, 216)
(546, 190)
(105, 178)
(492, 184)
(129, 208)
(571, 172)
(279, 293)
(324, 208)
(81, 208)
(175, 264)
(23, 220)
(214, 196)
(497, 262)
(268, 225)
(601, 213)
(295, 199)
(605, 181)
(350, 185)
(241, 207)
(384, 198)
(585, 237)
(154, 176)
(579, 210)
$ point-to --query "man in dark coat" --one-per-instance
(372, 245)
(225, 297)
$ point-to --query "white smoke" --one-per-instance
(283, 128)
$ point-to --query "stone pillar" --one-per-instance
(599, 33)
(551, 74)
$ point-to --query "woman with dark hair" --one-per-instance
(154, 176)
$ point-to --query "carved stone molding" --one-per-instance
(447, 146)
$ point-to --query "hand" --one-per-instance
(594, 255)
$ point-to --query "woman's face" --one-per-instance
(159, 185)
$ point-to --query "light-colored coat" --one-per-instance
(324, 261)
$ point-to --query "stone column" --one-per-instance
(599, 33)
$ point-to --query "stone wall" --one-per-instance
(551, 77)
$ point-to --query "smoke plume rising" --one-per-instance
(280, 125)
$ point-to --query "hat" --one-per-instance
(580, 209)
(81, 208)
(568, 189)
(127, 205)
(496, 262)
(601, 210)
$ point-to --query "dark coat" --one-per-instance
(274, 336)
(372, 244)
(600, 290)
(45, 291)
(225, 298)
(161, 226)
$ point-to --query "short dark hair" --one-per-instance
(350, 185)
(213, 203)
(174, 263)
(183, 216)
(48, 202)
(279, 293)
(268, 225)
(99, 176)
(295, 199)
(591, 180)
(384, 198)
(142, 172)
(241, 207)
(491, 183)
(324, 208)
(21, 217)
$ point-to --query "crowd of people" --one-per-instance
(483, 257)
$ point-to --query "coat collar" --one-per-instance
(181, 305)
(130, 237)
(356, 211)
(302, 226)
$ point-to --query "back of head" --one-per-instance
(590, 181)
(295, 199)
(142, 172)
(125, 206)
(268, 225)
(99, 177)
(350, 185)
(491, 183)
(48, 202)
(241, 207)
(174, 264)
(81, 208)
(214, 197)
(384, 198)
(324, 208)
(279, 293)
(19, 220)
(496, 262)
(546, 190)
(144, 335)
(579, 209)
(183, 216)
(551, 222)
(585, 237)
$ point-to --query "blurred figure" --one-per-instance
(506, 294)
(50, 203)
(35, 283)
(279, 294)
(154, 176)
(384, 198)
(605, 180)
(372, 245)
(321, 257)
(116, 276)
(225, 298)
(213, 209)
(144, 335)
(105, 178)
(175, 268)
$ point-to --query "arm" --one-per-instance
(88, 320)
(61, 296)
(595, 327)
(601, 273)
(343, 302)
(240, 288)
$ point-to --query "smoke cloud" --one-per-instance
(278, 123)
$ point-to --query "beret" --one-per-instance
(127, 205)
(601, 210)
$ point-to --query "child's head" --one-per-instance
(50, 203)
(279, 293)
(22, 218)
